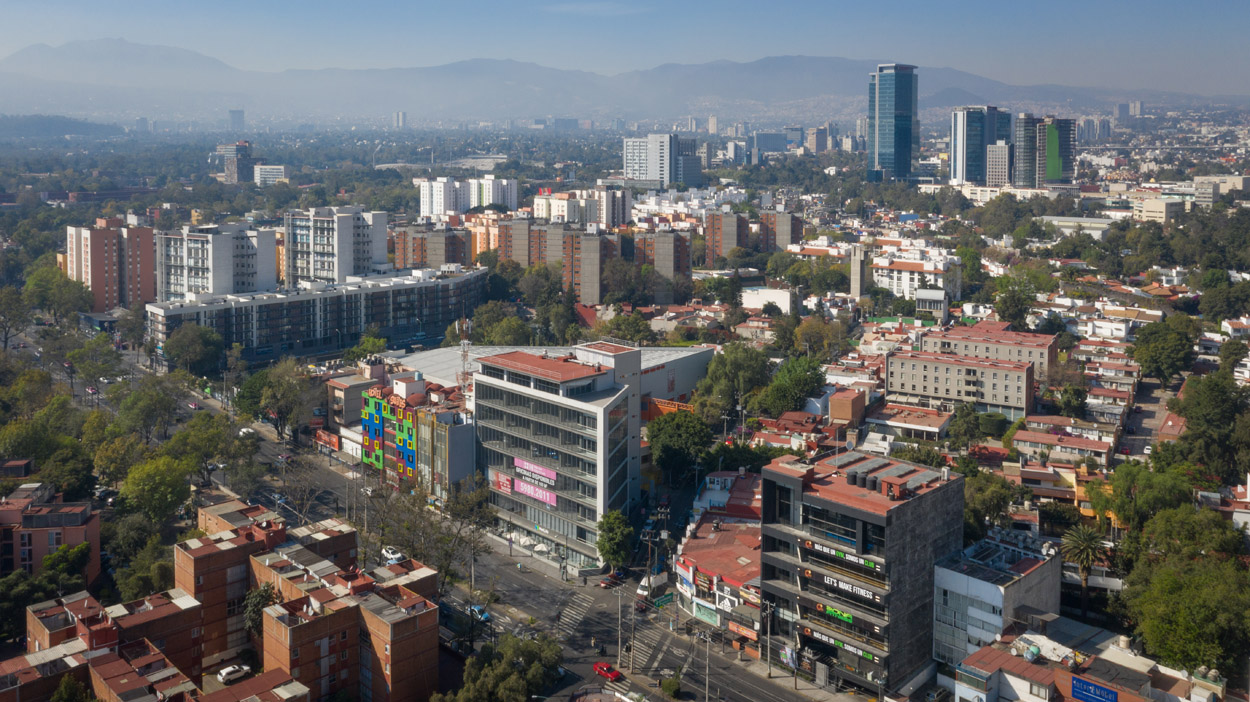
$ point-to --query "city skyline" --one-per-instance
(1131, 50)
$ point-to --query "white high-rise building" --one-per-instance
(492, 191)
(328, 244)
(440, 196)
(266, 175)
(214, 259)
(666, 158)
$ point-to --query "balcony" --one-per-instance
(841, 630)
(876, 577)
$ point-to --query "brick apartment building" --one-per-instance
(117, 263)
(34, 523)
(724, 232)
(430, 247)
(779, 230)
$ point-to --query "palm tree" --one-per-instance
(1083, 547)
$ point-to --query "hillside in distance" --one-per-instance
(116, 79)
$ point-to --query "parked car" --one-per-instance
(232, 672)
(479, 613)
(606, 670)
(1148, 447)
(366, 491)
(92, 391)
(391, 553)
(1126, 451)
(247, 431)
(193, 405)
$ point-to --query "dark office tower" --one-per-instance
(848, 546)
(973, 130)
(1121, 112)
(236, 120)
(1025, 167)
(893, 122)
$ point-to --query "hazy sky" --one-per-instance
(1190, 47)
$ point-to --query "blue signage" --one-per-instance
(1089, 692)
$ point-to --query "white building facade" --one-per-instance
(214, 260)
(329, 244)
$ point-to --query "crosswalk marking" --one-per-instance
(573, 613)
(618, 686)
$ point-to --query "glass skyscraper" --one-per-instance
(973, 130)
(893, 123)
(1045, 151)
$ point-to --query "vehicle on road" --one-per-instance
(606, 670)
(278, 498)
(232, 672)
(619, 573)
(1126, 451)
(666, 500)
(390, 553)
(640, 605)
(105, 380)
(479, 613)
(92, 391)
(610, 581)
(1148, 448)
(247, 431)
(193, 405)
(366, 491)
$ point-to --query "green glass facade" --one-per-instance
(893, 121)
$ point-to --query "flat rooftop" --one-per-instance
(994, 562)
(831, 478)
(991, 335)
(557, 368)
(1073, 442)
(443, 365)
(957, 360)
(911, 417)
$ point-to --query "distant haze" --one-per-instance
(1120, 44)
(119, 80)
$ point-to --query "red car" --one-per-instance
(607, 671)
(1126, 451)
(610, 581)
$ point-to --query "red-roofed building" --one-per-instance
(34, 523)
(717, 568)
(990, 340)
(1032, 444)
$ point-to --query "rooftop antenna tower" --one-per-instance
(465, 327)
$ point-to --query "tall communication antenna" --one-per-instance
(465, 327)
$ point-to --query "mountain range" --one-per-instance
(114, 79)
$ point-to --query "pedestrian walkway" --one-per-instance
(572, 614)
(620, 687)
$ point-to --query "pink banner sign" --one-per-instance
(534, 491)
(535, 472)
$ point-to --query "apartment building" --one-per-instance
(114, 261)
(265, 175)
(990, 340)
(981, 592)
(724, 231)
(582, 255)
(442, 196)
(847, 565)
(414, 306)
(1157, 209)
(417, 432)
(559, 438)
(945, 381)
(331, 244)
(668, 252)
(214, 259)
(779, 230)
(430, 247)
(905, 274)
(34, 523)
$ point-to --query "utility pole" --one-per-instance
(618, 629)
(768, 649)
(707, 666)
